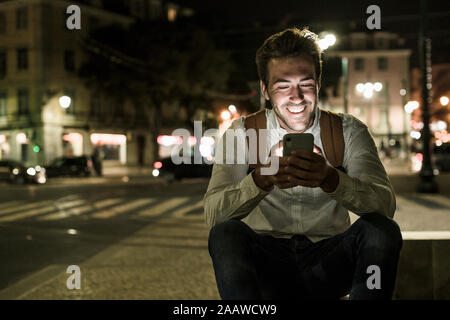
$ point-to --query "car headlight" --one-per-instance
(31, 171)
(15, 171)
(155, 172)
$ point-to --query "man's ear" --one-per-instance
(264, 90)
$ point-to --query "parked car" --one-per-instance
(168, 170)
(70, 166)
(442, 157)
(17, 172)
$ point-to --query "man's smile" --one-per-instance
(296, 110)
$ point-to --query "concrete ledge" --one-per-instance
(409, 183)
(424, 267)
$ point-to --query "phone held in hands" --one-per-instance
(297, 141)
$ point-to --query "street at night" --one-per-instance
(224, 150)
(146, 239)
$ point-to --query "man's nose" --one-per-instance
(297, 94)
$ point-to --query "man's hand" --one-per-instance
(308, 169)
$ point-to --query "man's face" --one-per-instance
(292, 89)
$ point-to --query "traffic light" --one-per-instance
(36, 148)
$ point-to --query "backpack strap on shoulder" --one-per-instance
(332, 135)
(257, 121)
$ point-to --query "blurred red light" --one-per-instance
(157, 165)
(419, 157)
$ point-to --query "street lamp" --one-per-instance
(232, 108)
(443, 100)
(225, 115)
(65, 101)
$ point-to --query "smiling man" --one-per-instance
(288, 235)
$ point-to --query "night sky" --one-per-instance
(241, 26)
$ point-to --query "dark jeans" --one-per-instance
(248, 265)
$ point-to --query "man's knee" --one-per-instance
(381, 231)
(228, 234)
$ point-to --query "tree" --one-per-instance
(155, 63)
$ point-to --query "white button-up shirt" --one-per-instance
(318, 215)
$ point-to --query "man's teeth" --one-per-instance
(296, 109)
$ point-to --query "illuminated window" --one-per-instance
(171, 14)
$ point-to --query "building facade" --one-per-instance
(377, 81)
(39, 59)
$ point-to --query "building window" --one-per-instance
(69, 60)
(22, 59)
(359, 64)
(95, 106)
(72, 94)
(21, 18)
(382, 63)
(2, 23)
(3, 64)
(3, 98)
(23, 100)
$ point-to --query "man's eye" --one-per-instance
(309, 85)
(283, 88)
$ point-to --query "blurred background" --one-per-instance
(87, 115)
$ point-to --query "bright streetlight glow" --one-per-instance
(367, 93)
(225, 115)
(444, 100)
(232, 108)
(402, 92)
(415, 135)
(331, 39)
(378, 86)
(411, 106)
(155, 172)
(360, 87)
(21, 138)
(65, 101)
(327, 42)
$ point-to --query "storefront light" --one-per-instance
(21, 138)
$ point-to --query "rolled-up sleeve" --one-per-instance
(232, 192)
(365, 187)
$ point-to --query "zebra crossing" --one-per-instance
(408, 207)
(105, 208)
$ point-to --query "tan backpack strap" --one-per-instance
(257, 121)
(332, 136)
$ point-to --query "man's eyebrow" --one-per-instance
(285, 80)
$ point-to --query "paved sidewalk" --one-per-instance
(168, 259)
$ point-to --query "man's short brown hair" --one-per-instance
(288, 43)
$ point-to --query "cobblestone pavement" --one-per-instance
(167, 260)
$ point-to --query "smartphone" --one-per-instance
(297, 141)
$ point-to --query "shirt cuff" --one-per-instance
(345, 188)
(249, 186)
